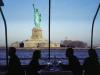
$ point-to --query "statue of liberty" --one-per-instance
(37, 17)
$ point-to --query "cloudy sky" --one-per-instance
(70, 19)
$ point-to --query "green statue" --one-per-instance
(37, 17)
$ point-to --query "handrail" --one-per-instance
(44, 58)
(6, 38)
(93, 25)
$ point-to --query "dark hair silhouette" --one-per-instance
(14, 67)
(91, 63)
(74, 64)
(69, 52)
(34, 65)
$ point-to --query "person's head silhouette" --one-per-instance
(36, 54)
(12, 51)
(92, 53)
(69, 52)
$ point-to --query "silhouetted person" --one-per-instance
(74, 64)
(21, 44)
(14, 67)
(91, 63)
(34, 65)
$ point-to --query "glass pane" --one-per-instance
(70, 22)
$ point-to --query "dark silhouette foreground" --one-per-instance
(91, 64)
(34, 65)
(74, 63)
(14, 67)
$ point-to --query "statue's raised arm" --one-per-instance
(34, 7)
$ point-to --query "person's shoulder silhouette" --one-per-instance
(14, 66)
(34, 65)
(91, 63)
(74, 63)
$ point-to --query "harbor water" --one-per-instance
(25, 55)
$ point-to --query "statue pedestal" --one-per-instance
(37, 34)
(36, 41)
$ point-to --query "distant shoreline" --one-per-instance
(47, 48)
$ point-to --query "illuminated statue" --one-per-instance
(37, 17)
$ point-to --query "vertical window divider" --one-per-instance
(49, 20)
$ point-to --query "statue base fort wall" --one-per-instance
(36, 41)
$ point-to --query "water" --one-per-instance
(55, 53)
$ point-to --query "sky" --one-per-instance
(70, 19)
